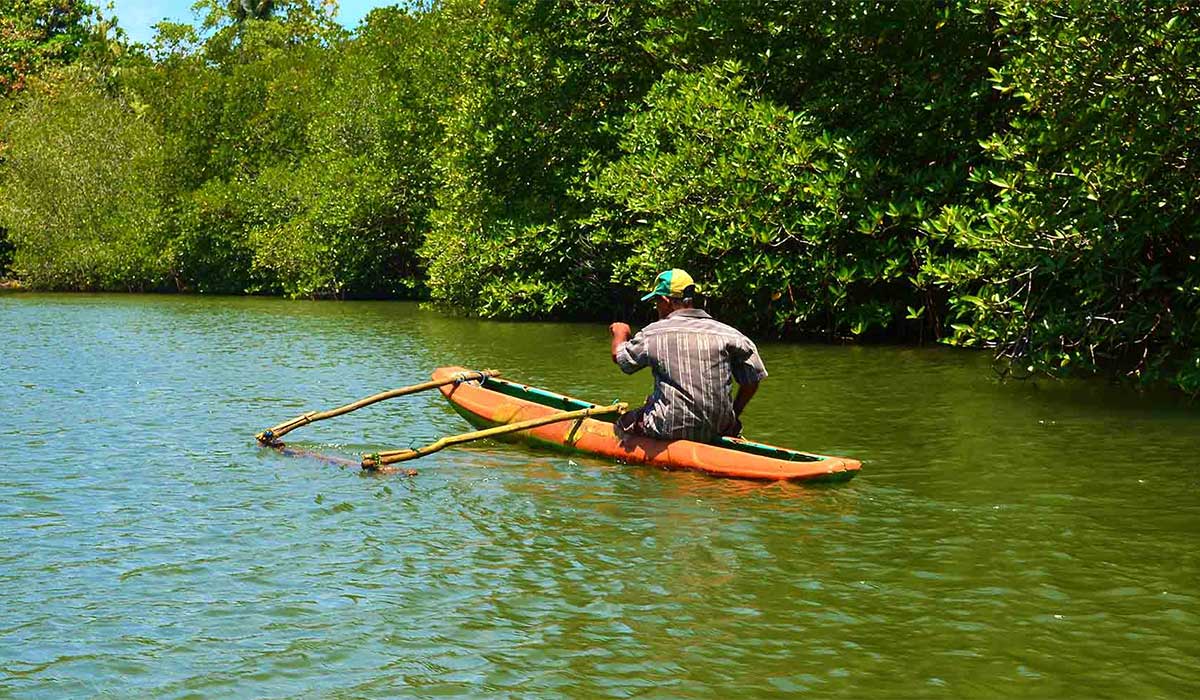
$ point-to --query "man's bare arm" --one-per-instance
(620, 333)
(745, 392)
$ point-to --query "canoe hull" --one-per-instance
(486, 407)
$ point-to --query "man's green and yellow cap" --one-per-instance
(671, 283)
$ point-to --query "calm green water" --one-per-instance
(1003, 540)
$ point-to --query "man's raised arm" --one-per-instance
(620, 333)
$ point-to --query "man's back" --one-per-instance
(695, 360)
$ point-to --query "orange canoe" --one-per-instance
(494, 401)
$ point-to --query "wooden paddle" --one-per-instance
(271, 437)
(379, 460)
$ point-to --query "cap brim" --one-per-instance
(649, 296)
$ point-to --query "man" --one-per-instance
(695, 360)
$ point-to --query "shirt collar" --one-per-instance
(689, 313)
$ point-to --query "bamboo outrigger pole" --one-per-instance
(271, 437)
(378, 461)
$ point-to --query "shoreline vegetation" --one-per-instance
(1016, 176)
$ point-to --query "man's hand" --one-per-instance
(620, 331)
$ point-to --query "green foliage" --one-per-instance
(536, 86)
(210, 239)
(1083, 227)
(745, 194)
(298, 169)
(355, 206)
(81, 189)
(35, 34)
(330, 232)
(1013, 175)
(6, 253)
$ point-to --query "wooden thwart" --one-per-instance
(380, 460)
(271, 437)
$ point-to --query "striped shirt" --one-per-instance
(695, 359)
